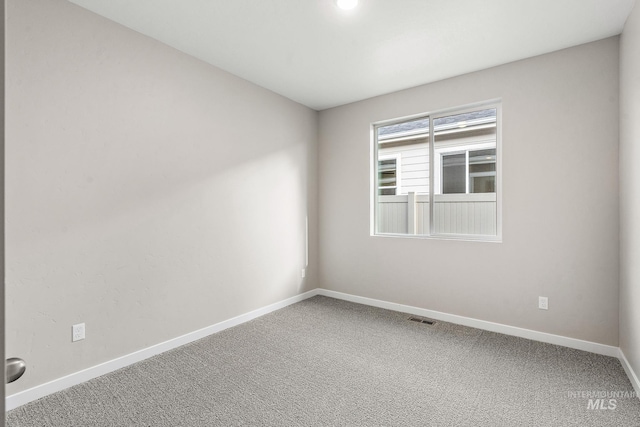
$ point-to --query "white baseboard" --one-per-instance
(26, 396)
(29, 395)
(589, 346)
(630, 373)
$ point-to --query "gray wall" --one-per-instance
(148, 194)
(560, 227)
(630, 190)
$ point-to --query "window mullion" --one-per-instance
(376, 184)
(466, 171)
(431, 176)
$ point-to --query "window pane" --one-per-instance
(387, 181)
(482, 171)
(483, 184)
(465, 179)
(454, 172)
(403, 178)
(403, 129)
(482, 156)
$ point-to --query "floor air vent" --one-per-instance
(422, 320)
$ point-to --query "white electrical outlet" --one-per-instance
(77, 332)
(543, 303)
(304, 272)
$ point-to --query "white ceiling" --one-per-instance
(316, 54)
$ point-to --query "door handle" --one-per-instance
(14, 368)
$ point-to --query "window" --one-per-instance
(438, 175)
(388, 175)
(454, 170)
(469, 172)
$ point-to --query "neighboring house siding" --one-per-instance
(413, 158)
(413, 166)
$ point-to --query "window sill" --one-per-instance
(458, 237)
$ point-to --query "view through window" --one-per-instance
(438, 175)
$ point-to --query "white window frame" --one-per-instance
(493, 104)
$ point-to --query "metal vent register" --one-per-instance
(422, 320)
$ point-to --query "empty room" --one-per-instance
(321, 213)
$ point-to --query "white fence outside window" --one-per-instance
(470, 214)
